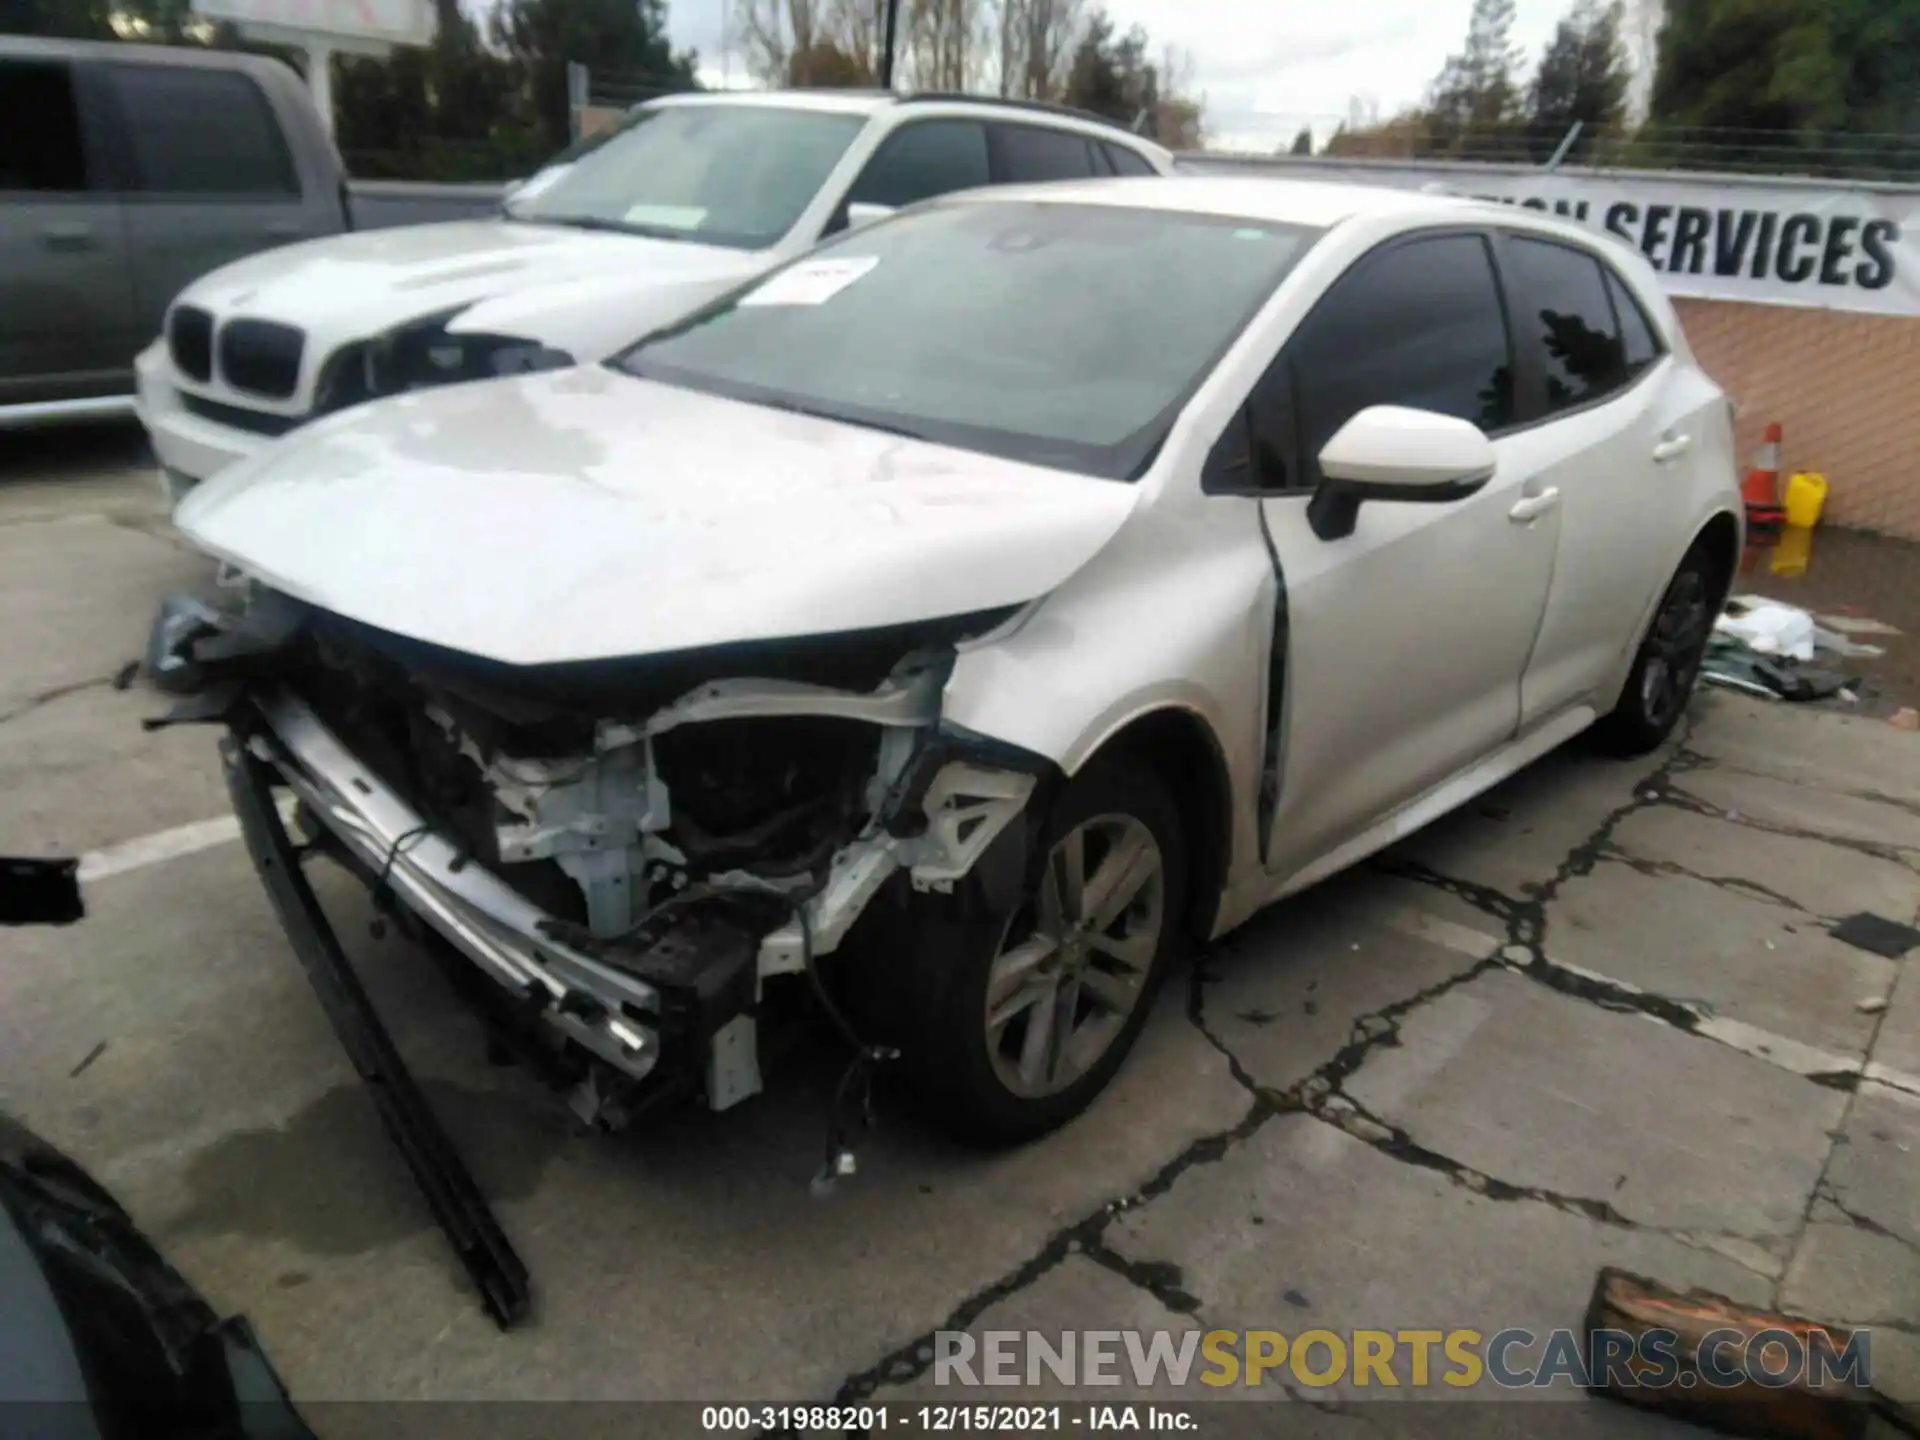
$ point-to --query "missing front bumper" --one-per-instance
(608, 1011)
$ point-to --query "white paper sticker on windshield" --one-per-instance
(812, 282)
(667, 217)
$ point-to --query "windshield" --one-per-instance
(734, 175)
(1066, 335)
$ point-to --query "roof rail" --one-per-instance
(1007, 102)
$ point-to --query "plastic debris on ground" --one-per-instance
(1767, 627)
(1876, 934)
(1762, 647)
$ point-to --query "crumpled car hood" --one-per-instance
(345, 287)
(587, 515)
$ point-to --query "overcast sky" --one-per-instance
(1265, 67)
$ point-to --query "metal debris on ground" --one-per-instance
(1762, 647)
(1877, 935)
(1735, 666)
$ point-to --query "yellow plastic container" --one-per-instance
(1791, 553)
(1806, 494)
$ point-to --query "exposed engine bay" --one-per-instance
(630, 851)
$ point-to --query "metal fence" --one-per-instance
(455, 162)
(598, 99)
(1831, 155)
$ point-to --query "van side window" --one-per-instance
(201, 132)
(41, 151)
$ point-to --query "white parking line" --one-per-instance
(1777, 1050)
(165, 845)
(157, 848)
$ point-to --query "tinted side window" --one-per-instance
(40, 147)
(917, 162)
(1638, 342)
(1029, 154)
(201, 132)
(1419, 324)
(1566, 320)
(1127, 162)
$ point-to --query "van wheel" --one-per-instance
(1665, 671)
(1012, 1025)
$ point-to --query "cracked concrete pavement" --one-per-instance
(1596, 1018)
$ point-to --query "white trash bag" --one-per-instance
(1768, 627)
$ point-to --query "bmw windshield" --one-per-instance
(733, 175)
(1067, 335)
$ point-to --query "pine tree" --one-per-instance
(1582, 78)
(1476, 99)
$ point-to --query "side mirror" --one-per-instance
(1390, 452)
(860, 212)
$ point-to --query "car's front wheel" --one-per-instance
(1011, 1027)
(1668, 663)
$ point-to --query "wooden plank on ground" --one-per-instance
(1812, 1398)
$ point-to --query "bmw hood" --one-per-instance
(588, 515)
(347, 287)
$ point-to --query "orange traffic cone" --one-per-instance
(1761, 492)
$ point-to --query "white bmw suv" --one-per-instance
(696, 193)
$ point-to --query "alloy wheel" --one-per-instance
(1058, 998)
(1675, 648)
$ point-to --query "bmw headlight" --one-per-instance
(423, 354)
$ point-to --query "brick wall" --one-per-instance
(1846, 389)
(595, 118)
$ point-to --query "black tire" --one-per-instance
(936, 1007)
(1667, 666)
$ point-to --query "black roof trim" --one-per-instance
(1006, 102)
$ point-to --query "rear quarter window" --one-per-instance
(1639, 339)
(1127, 162)
(1030, 154)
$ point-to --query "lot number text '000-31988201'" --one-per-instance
(940, 1419)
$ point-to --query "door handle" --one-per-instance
(1669, 450)
(1531, 507)
(67, 235)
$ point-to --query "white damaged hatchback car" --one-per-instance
(967, 615)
